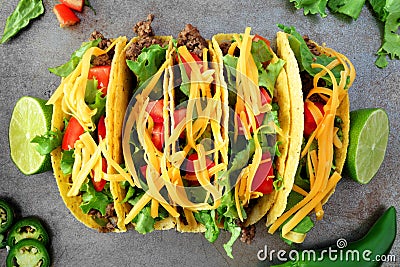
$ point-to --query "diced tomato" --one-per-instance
(180, 115)
(143, 170)
(155, 109)
(190, 171)
(258, 37)
(309, 123)
(265, 98)
(99, 186)
(65, 16)
(72, 133)
(187, 66)
(101, 128)
(74, 4)
(263, 178)
(102, 75)
(157, 136)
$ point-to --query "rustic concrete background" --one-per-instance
(23, 71)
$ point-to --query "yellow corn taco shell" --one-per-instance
(317, 199)
(65, 106)
(137, 119)
(259, 207)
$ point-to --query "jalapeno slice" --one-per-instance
(3, 242)
(29, 227)
(6, 216)
(28, 252)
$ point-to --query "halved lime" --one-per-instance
(30, 117)
(369, 133)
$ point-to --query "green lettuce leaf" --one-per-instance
(379, 8)
(91, 199)
(95, 100)
(67, 161)
(267, 77)
(351, 8)
(305, 58)
(25, 11)
(65, 69)
(207, 218)
(235, 231)
(47, 142)
(311, 6)
(144, 222)
(303, 227)
(149, 61)
(391, 39)
(260, 51)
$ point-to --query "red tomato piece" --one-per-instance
(180, 115)
(99, 186)
(189, 169)
(101, 128)
(143, 170)
(157, 136)
(72, 133)
(74, 4)
(309, 123)
(155, 109)
(263, 178)
(187, 66)
(102, 75)
(258, 37)
(65, 16)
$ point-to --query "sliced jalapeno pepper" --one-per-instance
(28, 227)
(6, 216)
(3, 242)
(28, 252)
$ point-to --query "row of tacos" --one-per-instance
(201, 135)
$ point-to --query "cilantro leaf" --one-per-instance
(351, 8)
(65, 69)
(311, 6)
(149, 61)
(47, 142)
(91, 199)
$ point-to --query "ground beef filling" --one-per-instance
(105, 59)
(110, 218)
(307, 79)
(146, 38)
(191, 38)
(248, 233)
(225, 48)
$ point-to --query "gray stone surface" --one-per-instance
(23, 71)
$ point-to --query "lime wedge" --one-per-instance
(369, 133)
(30, 117)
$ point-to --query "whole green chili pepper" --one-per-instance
(364, 252)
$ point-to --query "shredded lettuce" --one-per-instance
(95, 100)
(149, 61)
(311, 6)
(47, 142)
(67, 161)
(65, 69)
(351, 8)
(92, 199)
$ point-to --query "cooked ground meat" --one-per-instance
(190, 36)
(311, 46)
(110, 217)
(307, 79)
(225, 48)
(248, 233)
(105, 59)
(144, 30)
